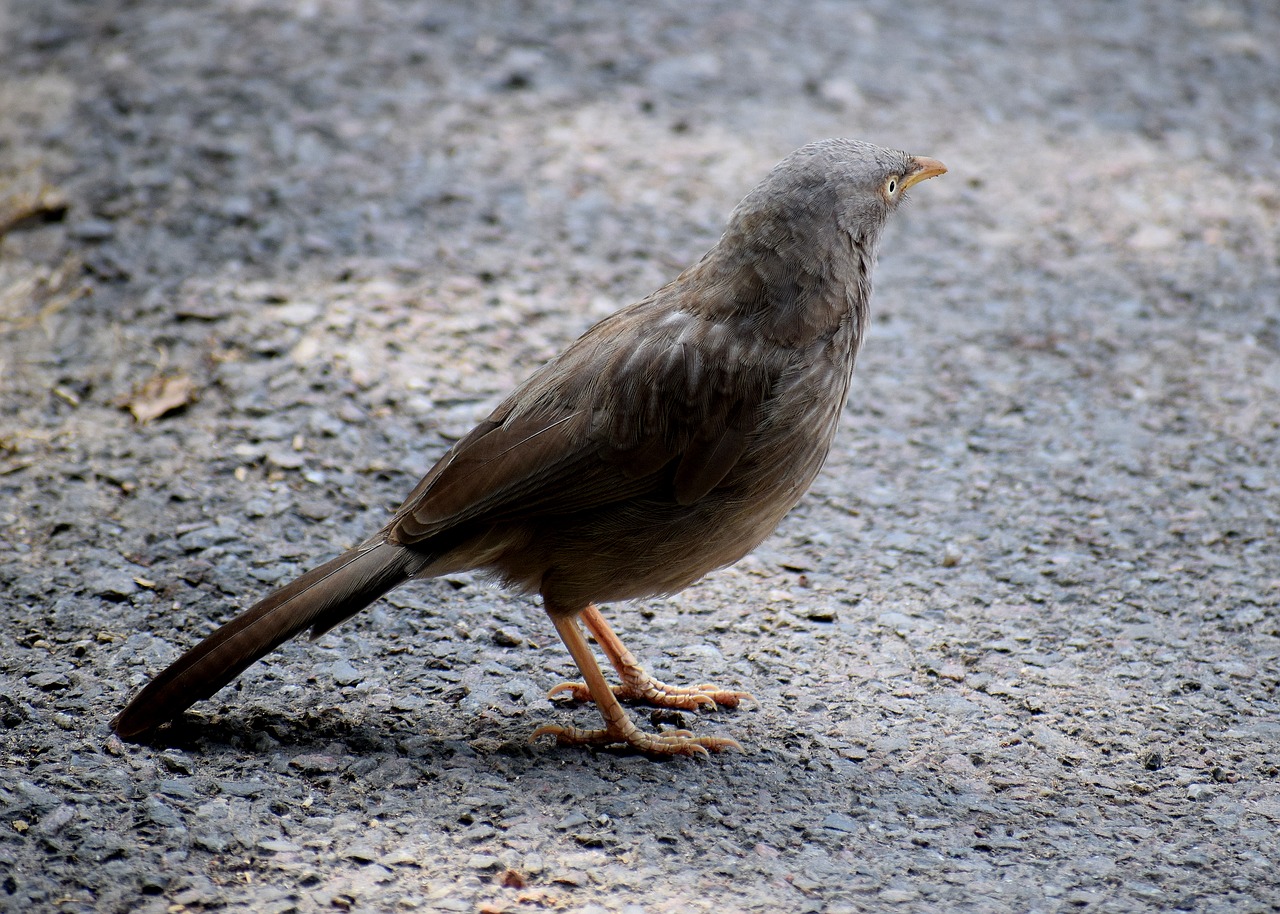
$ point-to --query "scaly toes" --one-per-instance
(725, 698)
(660, 695)
(670, 742)
(577, 690)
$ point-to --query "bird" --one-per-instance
(666, 442)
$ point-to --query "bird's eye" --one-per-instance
(891, 186)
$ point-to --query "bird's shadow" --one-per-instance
(327, 730)
(331, 731)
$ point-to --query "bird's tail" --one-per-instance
(318, 600)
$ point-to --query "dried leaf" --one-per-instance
(29, 201)
(159, 395)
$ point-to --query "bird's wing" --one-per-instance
(636, 407)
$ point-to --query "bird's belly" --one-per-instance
(646, 547)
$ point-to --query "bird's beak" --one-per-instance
(922, 169)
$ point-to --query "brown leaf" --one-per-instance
(159, 395)
(30, 201)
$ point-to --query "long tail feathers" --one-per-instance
(318, 600)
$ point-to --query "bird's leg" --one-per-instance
(637, 685)
(618, 728)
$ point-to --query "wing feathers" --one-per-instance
(668, 413)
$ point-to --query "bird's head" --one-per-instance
(797, 255)
(838, 183)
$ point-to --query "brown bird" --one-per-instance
(666, 442)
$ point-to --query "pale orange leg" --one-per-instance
(618, 728)
(637, 685)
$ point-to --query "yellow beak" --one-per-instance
(922, 169)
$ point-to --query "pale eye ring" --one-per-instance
(891, 186)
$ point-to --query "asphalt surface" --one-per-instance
(1016, 651)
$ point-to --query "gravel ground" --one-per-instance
(1017, 651)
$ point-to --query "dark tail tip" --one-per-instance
(318, 600)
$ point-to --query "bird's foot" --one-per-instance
(625, 733)
(618, 728)
(637, 685)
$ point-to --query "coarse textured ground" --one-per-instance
(1018, 649)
